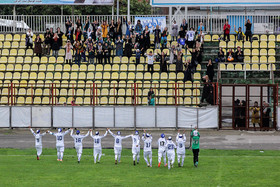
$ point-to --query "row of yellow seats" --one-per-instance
(24, 52)
(255, 52)
(247, 67)
(247, 44)
(262, 59)
(233, 37)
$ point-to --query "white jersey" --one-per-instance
(147, 143)
(170, 146)
(97, 139)
(190, 35)
(135, 141)
(38, 138)
(78, 139)
(60, 138)
(161, 144)
(181, 144)
(118, 139)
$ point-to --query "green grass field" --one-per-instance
(216, 168)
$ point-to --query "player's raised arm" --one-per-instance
(32, 131)
(91, 133)
(43, 134)
(66, 132)
(104, 134)
(51, 133)
(124, 137)
(87, 133)
(71, 134)
(111, 133)
(143, 136)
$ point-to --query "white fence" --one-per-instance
(108, 116)
(262, 24)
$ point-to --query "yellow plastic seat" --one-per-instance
(263, 52)
(5, 52)
(34, 67)
(271, 59)
(247, 67)
(120, 101)
(49, 76)
(19, 60)
(26, 67)
(2, 37)
(271, 44)
(239, 44)
(255, 52)
(57, 76)
(247, 44)
(263, 59)
(255, 67)
(230, 44)
(21, 52)
(238, 67)
(255, 59)
(263, 45)
(230, 67)
(116, 60)
(207, 38)
(16, 38)
(187, 101)
(255, 44)
(197, 76)
(24, 76)
(106, 76)
(33, 76)
(271, 52)
(15, 45)
(247, 59)
(18, 67)
(215, 38)
(7, 45)
(263, 38)
(196, 101)
(10, 67)
(271, 38)
(263, 67)
(37, 101)
(247, 52)
(123, 76)
(98, 76)
(139, 76)
(29, 52)
(223, 44)
(44, 60)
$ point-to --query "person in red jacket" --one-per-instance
(226, 31)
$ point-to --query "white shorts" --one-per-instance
(136, 150)
(97, 151)
(171, 156)
(60, 148)
(181, 153)
(117, 150)
(161, 153)
(79, 149)
(148, 153)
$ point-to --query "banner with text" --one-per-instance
(57, 2)
(152, 22)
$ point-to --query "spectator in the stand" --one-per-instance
(194, 61)
(69, 34)
(172, 53)
(265, 114)
(78, 49)
(188, 72)
(210, 70)
(107, 53)
(182, 33)
(78, 35)
(255, 114)
(179, 62)
(28, 39)
(239, 34)
(51, 34)
(55, 45)
(129, 27)
(157, 34)
(85, 29)
(128, 47)
(226, 31)
(248, 32)
(83, 52)
(104, 29)
(150, 93)
(91, 52)
(174, 31)
(138, 56)
(47, 42)
(68, 24)
(94, 25)
(79, 23)
(99, 51)
(230, 56)
(119, 46)
(207, 93)
(239, 56)
(38, 46)
(142, 45)
(59, 34)
(151, 59)
(181, 42)
(221, 56)
(146, 34)
(190, 38)
(164, 35)
(152, 100)
(68, 52)
(112, 29)
(200, 32)
(99, 34)
(198, 51)
(133, 40)
(184, 25)
(119, 28)
(138, 28)
(162, 61)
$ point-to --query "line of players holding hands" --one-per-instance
(165, 147)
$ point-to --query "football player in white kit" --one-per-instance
(118, 145)
(97, 149)
(162, 149)
(38, 141)
(181, 141)
(78, 141)
(59, 142)
(147, 148)
(170, 146)
(136, 147)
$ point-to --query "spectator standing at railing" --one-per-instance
(182, 33)
(207, 93)
(239, 34)
(91, 52)
(210, 70)
(184, 25)
(146, 34)
(138, 28)
(200, 32)
(157, 33)
(179, 62)
(68, 52)
(85, 28)
(172, 52)
(239, 55)
(151, 59)
(38, 46)
(47, 42)
(99, 51)
(142, 45)
(163, 40)
(99, 34)
(127, 47)
(112, 29)
(55, 45)
(78, 35)
(188, 72)
(226, 31)
(68, 24)
(52, 35)
(119, 47)
(78, 49)
(28, 39)
(59, 34)
(194, 60)
(190, 38)
(79, 23)
(94, 25)
(129, 27)
(137, 56)
(104, 27)
(174, 32)
(162, 60)
(69, 34)
(118, 28)
(107, 53)
(248, 32)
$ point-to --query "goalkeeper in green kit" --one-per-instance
(195, 145)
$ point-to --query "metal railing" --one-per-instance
(213, 23)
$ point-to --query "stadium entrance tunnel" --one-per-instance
(248, 106)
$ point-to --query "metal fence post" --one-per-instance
(156, 116)
(93, 118)
(176, 117)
